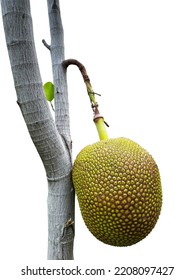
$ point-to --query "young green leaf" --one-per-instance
(49, 91)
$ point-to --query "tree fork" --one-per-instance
(52, 140)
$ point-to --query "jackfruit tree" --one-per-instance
(51, 138)
(117, 182)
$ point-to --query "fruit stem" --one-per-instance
(98, 119)
(100, 125)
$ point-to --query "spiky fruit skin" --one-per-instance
(118, 186)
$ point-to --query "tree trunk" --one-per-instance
(52, 140)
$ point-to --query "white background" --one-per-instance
(140, 56)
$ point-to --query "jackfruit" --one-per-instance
(118, 186)
(117, 183)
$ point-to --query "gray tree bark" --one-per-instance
(51, 139)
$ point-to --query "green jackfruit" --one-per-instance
(118, 186)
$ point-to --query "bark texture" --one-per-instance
(52, 140)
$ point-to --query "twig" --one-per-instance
(46, 45)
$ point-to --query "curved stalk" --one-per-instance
(98, 119)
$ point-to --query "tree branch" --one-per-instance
(28, 84)
(63, 125)
(60, 82)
